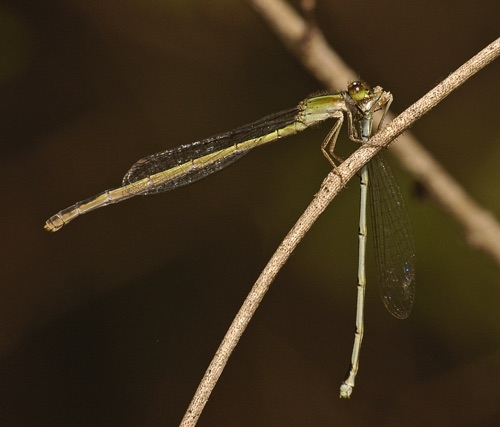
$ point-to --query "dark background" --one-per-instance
(114, 319)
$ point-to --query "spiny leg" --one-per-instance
(328, 145)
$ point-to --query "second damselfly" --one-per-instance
(393, 238)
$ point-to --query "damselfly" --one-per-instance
(393, 238)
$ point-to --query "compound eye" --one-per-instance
(358, 90)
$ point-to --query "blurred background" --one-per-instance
(114, 319)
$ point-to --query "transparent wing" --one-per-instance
(395, 254)
(167, 159)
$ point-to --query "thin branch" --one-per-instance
(480, 227)
(330, 188)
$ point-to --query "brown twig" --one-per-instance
(331, 186)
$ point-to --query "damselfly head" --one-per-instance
(358, 90)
